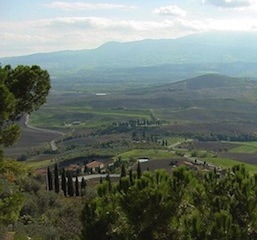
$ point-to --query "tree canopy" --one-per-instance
(184, 205)
(22, 90)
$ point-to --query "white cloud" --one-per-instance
(62, 33)
(83, 32)
(171, 10)
(230, 25)
(85, 6)
(231, 3)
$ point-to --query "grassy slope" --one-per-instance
(209, 98)
(247, 147)
(55, 118)
(153, 154)
(228, 163)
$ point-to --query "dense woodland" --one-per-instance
(184, 205)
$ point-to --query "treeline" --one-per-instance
(184, 205)
(145, 136)
(221, 137)
(126, 126)
(66, 184)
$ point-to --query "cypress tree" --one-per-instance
(77, 187)
(123, 171)
(108, 179)
(70, 185)
(83, 186)
(131, 177)
(64, 183)
(49, 179)
(139, 172)
(56, 179)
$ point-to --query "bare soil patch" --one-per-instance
(30, 138)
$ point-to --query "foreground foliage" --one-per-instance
(29, 211)
(185, 205)
(22, 91)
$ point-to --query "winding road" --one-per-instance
(52, 143)
(95, 176)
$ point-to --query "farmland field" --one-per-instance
(143, 122)
(146, 153)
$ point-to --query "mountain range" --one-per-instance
(233, 53)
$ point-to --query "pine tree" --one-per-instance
(64, 183)
(83, 186)
(56, 179)
(70, 185)
(49, 179)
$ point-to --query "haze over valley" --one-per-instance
(150, 61)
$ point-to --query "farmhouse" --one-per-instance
(95, 165)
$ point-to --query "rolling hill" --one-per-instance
(209, 105)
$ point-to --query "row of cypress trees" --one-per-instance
(78, 189)
(67, 186)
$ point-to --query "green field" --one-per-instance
(207, 108)
(246, 147)
(152, 154)
(65, 116)
(229, 163)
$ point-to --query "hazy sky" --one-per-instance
(29, 26)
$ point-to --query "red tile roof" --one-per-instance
(94, 164)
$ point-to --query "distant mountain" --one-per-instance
(208, 52)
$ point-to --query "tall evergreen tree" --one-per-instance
(56, 179)
(64, 183)
(108, 179)
(123, 171)
(131, 179)
(49, 179)
(77, 187)
(70, 185)
(139, 172)
(83, 186)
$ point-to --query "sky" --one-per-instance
(29, 26)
